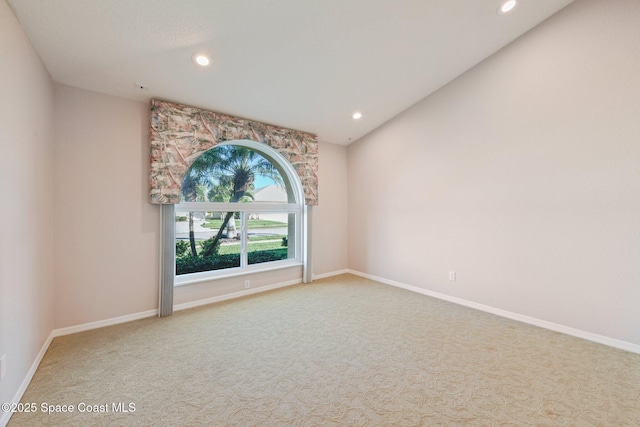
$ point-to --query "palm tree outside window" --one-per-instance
(240, 211)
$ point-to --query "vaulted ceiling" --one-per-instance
(307, 65)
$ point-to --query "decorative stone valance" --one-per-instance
(179, 134)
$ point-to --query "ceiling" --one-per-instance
(303, 64)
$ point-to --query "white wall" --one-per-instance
(26, 221)
(522, 175)
(330, 216)
(107, 233)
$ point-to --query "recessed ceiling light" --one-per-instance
(357, 115)
(508, 6)
(201, 59)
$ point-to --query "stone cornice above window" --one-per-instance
(179, 134)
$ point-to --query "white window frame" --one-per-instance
(245, 267)
(297, 208)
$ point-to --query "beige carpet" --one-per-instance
(343, 351)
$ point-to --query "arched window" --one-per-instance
(240, 211)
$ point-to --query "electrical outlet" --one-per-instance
(452, 276)
(247, 284)
(3, 366)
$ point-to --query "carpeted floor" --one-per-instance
(343, 351)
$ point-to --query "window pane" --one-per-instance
(235, 174)
(269, 235)
(251, 182)
(195, 238)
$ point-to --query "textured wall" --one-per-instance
(522, 175)
(26, 187)
(180, 134)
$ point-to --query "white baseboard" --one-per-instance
(102, 323)
(330, 274)
(6, 416)
(198, 303)
(611, 342)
